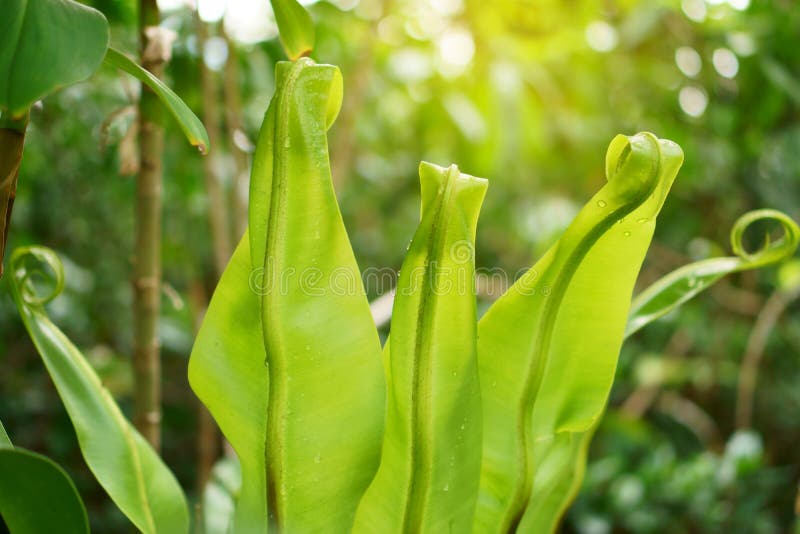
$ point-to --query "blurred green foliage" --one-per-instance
(527, 93)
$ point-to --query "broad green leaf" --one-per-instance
(124, 463)
(660, 298)
(220, 495)
(46, 45)
(295, 27)
(227, 372)
(685, 282)
(37, 496)
(326, 388)
(560, 328)
(192, 128)
(428, 477)
(323, 420)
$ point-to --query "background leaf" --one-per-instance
(4, 439)
(295, 27)
(37, 496)
(123, 462)
(46, 45)
(220, 495)
(192, 128)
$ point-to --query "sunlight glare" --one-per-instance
(211, 10)
(250, 21)
(456, 49)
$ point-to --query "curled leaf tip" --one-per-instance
(685, 282)
(29, 264)
(771, 251)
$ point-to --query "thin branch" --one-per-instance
(754, 353)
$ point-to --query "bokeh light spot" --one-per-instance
(725, 62)
(688, 61)
(601, 36)
(694, 10)
(456, 49)
(693, 101)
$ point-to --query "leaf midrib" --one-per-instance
(541, 346)
(276, 418)
(420, 458)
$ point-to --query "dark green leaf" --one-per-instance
(37, 496)
(46, 45)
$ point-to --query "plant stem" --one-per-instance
(754, 353)
(12, 140)
(147, 257)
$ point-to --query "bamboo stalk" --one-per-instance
(217, 211)
(147, 254)
(233, 124)
(208, 436)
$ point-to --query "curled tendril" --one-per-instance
(771, 251)
(28, 263)
(685, 282)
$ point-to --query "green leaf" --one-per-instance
(428, 477)
(123, 462)
(37, 496)
(685, 282)
(324, 414)
(295, 27)
(220, 495)
(227, 372)
(192, 128)
(46, 45)
(560, 328)
(5, 441)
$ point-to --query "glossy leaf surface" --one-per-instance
(547, 349)
(46, 45)
(191, 126)
(37, 496)
(295, 27)
(430, 465)
(227, 372)
(325, 388)
(122, 461)
(685, 282)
